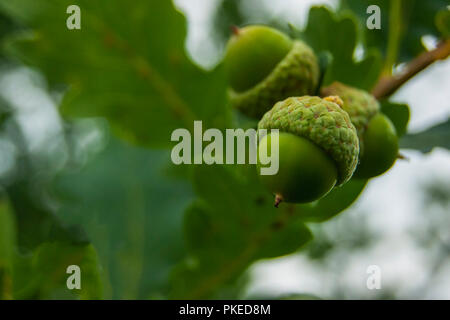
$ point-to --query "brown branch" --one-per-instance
(386, 86)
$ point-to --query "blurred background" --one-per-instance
(79, 174)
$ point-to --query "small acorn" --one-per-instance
(377, 136)
(318, 148)
(380, 147)
(265, 66)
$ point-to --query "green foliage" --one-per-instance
(338, 35)
(230, 226)
(411, 19)
(425, 141)
(300, 296)
(234, 224)
(4, 113)
(35, 222)
(333, 203)
(443, 22)
(132, 216)
(48, 267)
(398, 113)
(6, 26)
(7, 243)
(138, 76)
(290, 296)
(41, 273)
(29, 229)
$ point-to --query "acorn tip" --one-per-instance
(278, 200)
(235, 30)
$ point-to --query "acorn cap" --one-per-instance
(296, 75)
(360, 105)
(322, 122)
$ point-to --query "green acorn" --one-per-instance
(377, 135)
(380, 147)
(265, 66)
(318, 148)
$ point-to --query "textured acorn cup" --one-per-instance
(377, 137)
(360, 105)
(318, 148)
(265, 66)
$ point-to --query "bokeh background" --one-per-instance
(83, 175)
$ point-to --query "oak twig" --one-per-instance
(386, 86)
